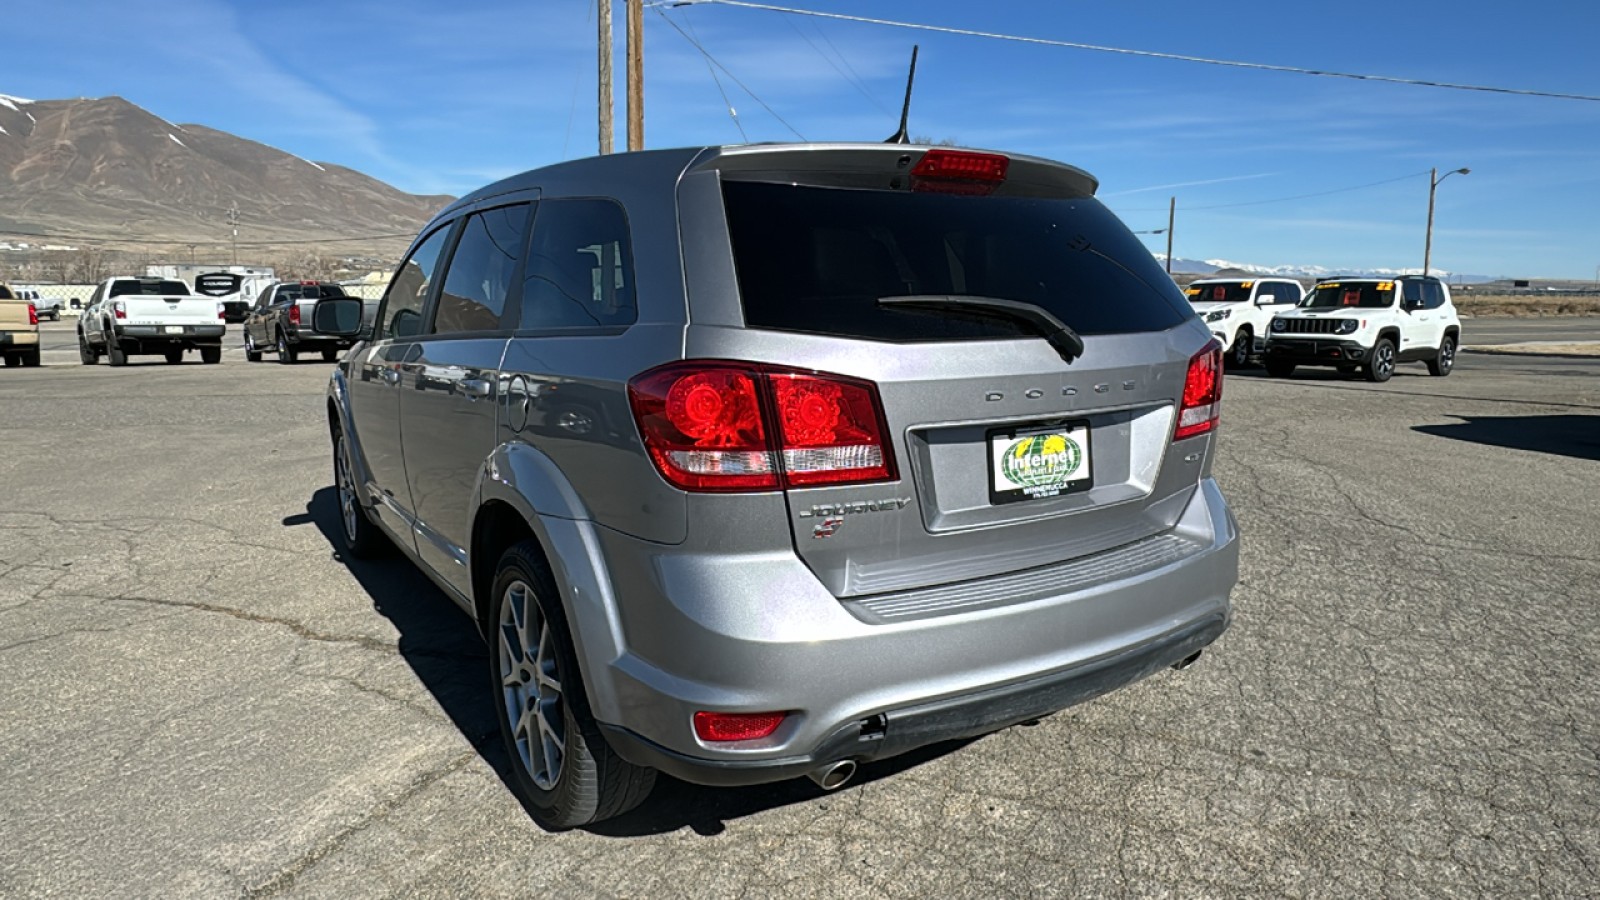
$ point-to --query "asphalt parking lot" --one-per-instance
(201, 699)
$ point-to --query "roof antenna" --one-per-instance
(899, 137)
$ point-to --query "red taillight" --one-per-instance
(713, 726)
(294, 313)
(959, 171)
(221, 312)
(119, 310)
(33, 315)
(715, 426)
(1202, 394)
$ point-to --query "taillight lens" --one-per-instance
(221, 312)
(1202, 394)
(715, 426)
(33, 315)
(119, 310)
(294, 314)
(720, 727)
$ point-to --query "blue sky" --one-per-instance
(441, 98)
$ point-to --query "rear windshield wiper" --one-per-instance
(1044, 323)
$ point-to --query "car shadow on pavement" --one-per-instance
(444, 649)
(1562, 435)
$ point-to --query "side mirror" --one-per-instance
(339, 316)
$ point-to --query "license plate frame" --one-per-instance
(1039, 460)
(172, 329)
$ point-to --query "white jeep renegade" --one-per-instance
(1367, 324)
(1238, 310)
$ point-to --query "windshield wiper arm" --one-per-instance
(1044, 323)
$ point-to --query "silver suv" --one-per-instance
(765, 461)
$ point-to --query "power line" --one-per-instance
(1294, 70)
(707, 54)
(732, 113)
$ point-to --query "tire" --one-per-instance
(86, 353)
(30, 358)
(330, 356)
(251, 351)
(211, 355)
(286, 354)
(1445, 359)
(114, 352)
(1380, 362)
(1243, 343)
(13, 360)
(581, 781)
(174, 356)
(1280, 369)
(361, 537)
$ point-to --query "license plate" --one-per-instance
(1040, 461)
(174, 329)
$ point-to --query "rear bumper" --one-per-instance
(211, 333)
(300, 337)
(1315, 351)
(759, 633)
(19, 340)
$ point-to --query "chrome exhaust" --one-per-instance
(833, 775)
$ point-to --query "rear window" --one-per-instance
(1360, 294)
(309, 291)
(5, 294)
(151, 288)
(816, 260)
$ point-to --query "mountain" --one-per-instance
(1207, 267)
(105, 168)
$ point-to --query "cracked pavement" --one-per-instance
(200, 699)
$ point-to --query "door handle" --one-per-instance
(391, 376)
(477, 387)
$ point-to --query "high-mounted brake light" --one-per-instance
(1202, 394)
(719, 727)
(959, 171)
(724, 426)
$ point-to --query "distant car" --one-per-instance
(1238, 310)
(280, 322)
(1367, 324)
(46, 309)
(19, 329)
(765, 461)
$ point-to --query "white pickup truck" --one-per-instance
(129, 316)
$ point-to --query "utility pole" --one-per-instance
(635, 74)
(606, 98)
(1172, 214)
(233, 221)
(1433, 186)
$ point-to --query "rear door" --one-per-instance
(1010, 456)
(449, 383)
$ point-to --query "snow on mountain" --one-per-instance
(1208, 266)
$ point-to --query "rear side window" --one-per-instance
(816, 260)
(479, 278)
(408, 290)
(580, 267)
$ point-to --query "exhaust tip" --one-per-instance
(834, 775)
(1187, 661)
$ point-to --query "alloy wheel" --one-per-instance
(1447, 355)
(1385, 361)
(347, 492)
(531, 685)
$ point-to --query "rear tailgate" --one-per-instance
(1010, 456)
(170, 310)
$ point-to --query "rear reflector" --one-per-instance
(719, 727)
(1202, 394)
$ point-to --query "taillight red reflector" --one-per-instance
(294, 313)
(33, 315)
(1202, 394)
(723, 426)
(118, 310)
(714, 726)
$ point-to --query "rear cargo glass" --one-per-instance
(148, 288)
(816, 260)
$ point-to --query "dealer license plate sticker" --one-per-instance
(174, 329)
(1034, 463)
